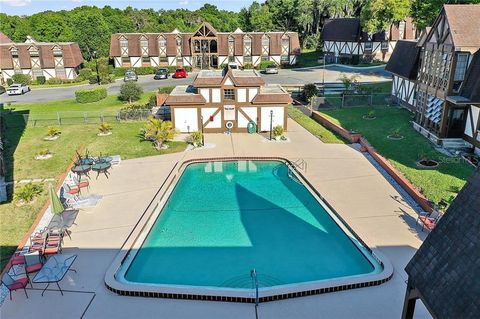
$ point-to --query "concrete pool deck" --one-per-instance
(345, 178)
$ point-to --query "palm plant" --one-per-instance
(158, 131)
(105, 127)
(53, 131)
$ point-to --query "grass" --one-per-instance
(436, 184)
(308, 58)
(313, 127)
(22, 143)
(35, 85)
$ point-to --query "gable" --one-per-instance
(228, 81)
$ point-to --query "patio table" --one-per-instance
(81, 170)
(86, 161)
(54, 270)
(101, 167)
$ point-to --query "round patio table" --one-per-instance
(101, 167)
(81, 170)
(86, 161)
(103, 159)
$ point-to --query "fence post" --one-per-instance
(371, 99)
(101, 117)
(58, 119)
(343, 100)
(85, 117)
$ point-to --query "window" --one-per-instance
(264, 58)
(57, 52)
(14, 53)
(462, 60)
(247, 59)
(247, 47)
(178, 42)
(384, 45)
(265, 46)
(123, 46)
(231, 58)
(284, 59)
(368, 46)
(145, 60)
(125, 61)
(33, 52)
(144, 45)
(162, 47)
(163, 59)
(231, 46)
(229, 94)
(401, 29)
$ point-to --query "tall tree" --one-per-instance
(424, 12)
(260, 18)
(379, 14)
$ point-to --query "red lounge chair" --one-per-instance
(429, 221)
(53, 245)
(33, 262)
(19, 282)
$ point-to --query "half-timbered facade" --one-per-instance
(344, 38)
(230, 100)
(403, 64)
(203, 49)
(446, 55)
(61, 60)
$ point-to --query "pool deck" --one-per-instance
(345, 178)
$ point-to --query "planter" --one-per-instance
(395, 137)
(43, 157)
(368, 118)
(278, 138)
(104, 134)
(21, 202)
(51, 138)
(472, 160)
(428, 164)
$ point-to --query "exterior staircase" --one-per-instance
(455, 144)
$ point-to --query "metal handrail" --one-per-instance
(253, 274)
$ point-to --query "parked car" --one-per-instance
(161, 74)
(130, 75)
(180, 73)
(18, 89)
(271, 70)
(233, 65)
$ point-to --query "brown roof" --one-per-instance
(72, 56)
(282, 98)
(464, 23)
(4, 39)
(344, 29)
(238, 77)
(183, 94)
(222, 45)
(471, 85)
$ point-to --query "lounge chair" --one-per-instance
(429, 220)
(15, 283)
(53, 245)
(33, 262)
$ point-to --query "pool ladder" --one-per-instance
(300, 164)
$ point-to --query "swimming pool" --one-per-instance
(224, 218)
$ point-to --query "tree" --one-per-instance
(309, 91)
(130, 91)
(348, 82)
(158, 131)
(424, 12)
(378, 15)
(260, 18)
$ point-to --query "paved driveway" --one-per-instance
(284, 76)
(357, 191)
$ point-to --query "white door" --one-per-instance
(186, 119)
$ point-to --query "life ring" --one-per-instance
(229, 125)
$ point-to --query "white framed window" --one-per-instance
(247, 46)
(162, 47)
(144, 45)
(123, 46)
(368, 46)
(285, 52)
(385, 45)
(231, 46)
(265, 46)
(461, 66)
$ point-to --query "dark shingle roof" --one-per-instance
(471, 85)
(345, 29)
(446, 268)
(404, 59)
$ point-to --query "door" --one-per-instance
(456, 123)
(185, 119)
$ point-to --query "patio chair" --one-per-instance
(429, 220)
(33, 262)
(73, 181)
(15, 283)
(53, 245)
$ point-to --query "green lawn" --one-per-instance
(308, 58)
(436, 184)
(34, 85)
(22, 143)
(313, 127)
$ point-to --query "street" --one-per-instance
(284, 77)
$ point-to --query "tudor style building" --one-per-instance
(445, 58)
(62, 60)
(203, 49)
(344, 38)
(228, 100)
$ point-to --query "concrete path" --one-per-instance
(356, 190)
(284, 76)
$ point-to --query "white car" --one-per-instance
(271, 70)
(17, 89)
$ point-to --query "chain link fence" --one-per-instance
(355, 100)
(18, 119)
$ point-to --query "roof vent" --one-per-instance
(238, 31)
(30, 40)
(176, 31)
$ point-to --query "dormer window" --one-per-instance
(231, 49)
(265, 47)
(368, 46)
(33, 52)
(162, 49)
(284, 58)
(14, 52)
(247, 49)
(144, 46)
(178, 42)
(123, 46)
(57, 52)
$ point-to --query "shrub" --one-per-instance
(41, 79)
(92, 79)
(105, 127)
(309, 90)
(9, 81)
(90, 95)
(165, 89)
(2, 89)
(44, 151)
(22, 78)
(28, 192)
(85, 74)
(103, 70)
(278, 130)
(158, 131)
(195, 138)
(188, 68)
(54, 81)
(135, 112)
(53, 131)
(248, 66)
(152, 100)
(130, 91)
(265, 64)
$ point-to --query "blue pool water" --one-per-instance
(225, 218)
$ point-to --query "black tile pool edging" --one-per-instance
(252, 299)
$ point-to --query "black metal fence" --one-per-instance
(354, 100)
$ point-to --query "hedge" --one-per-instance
(41, 79)
(166, 89)
(92, 95)
(22, 79)
(265, 64)
(146, 70)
